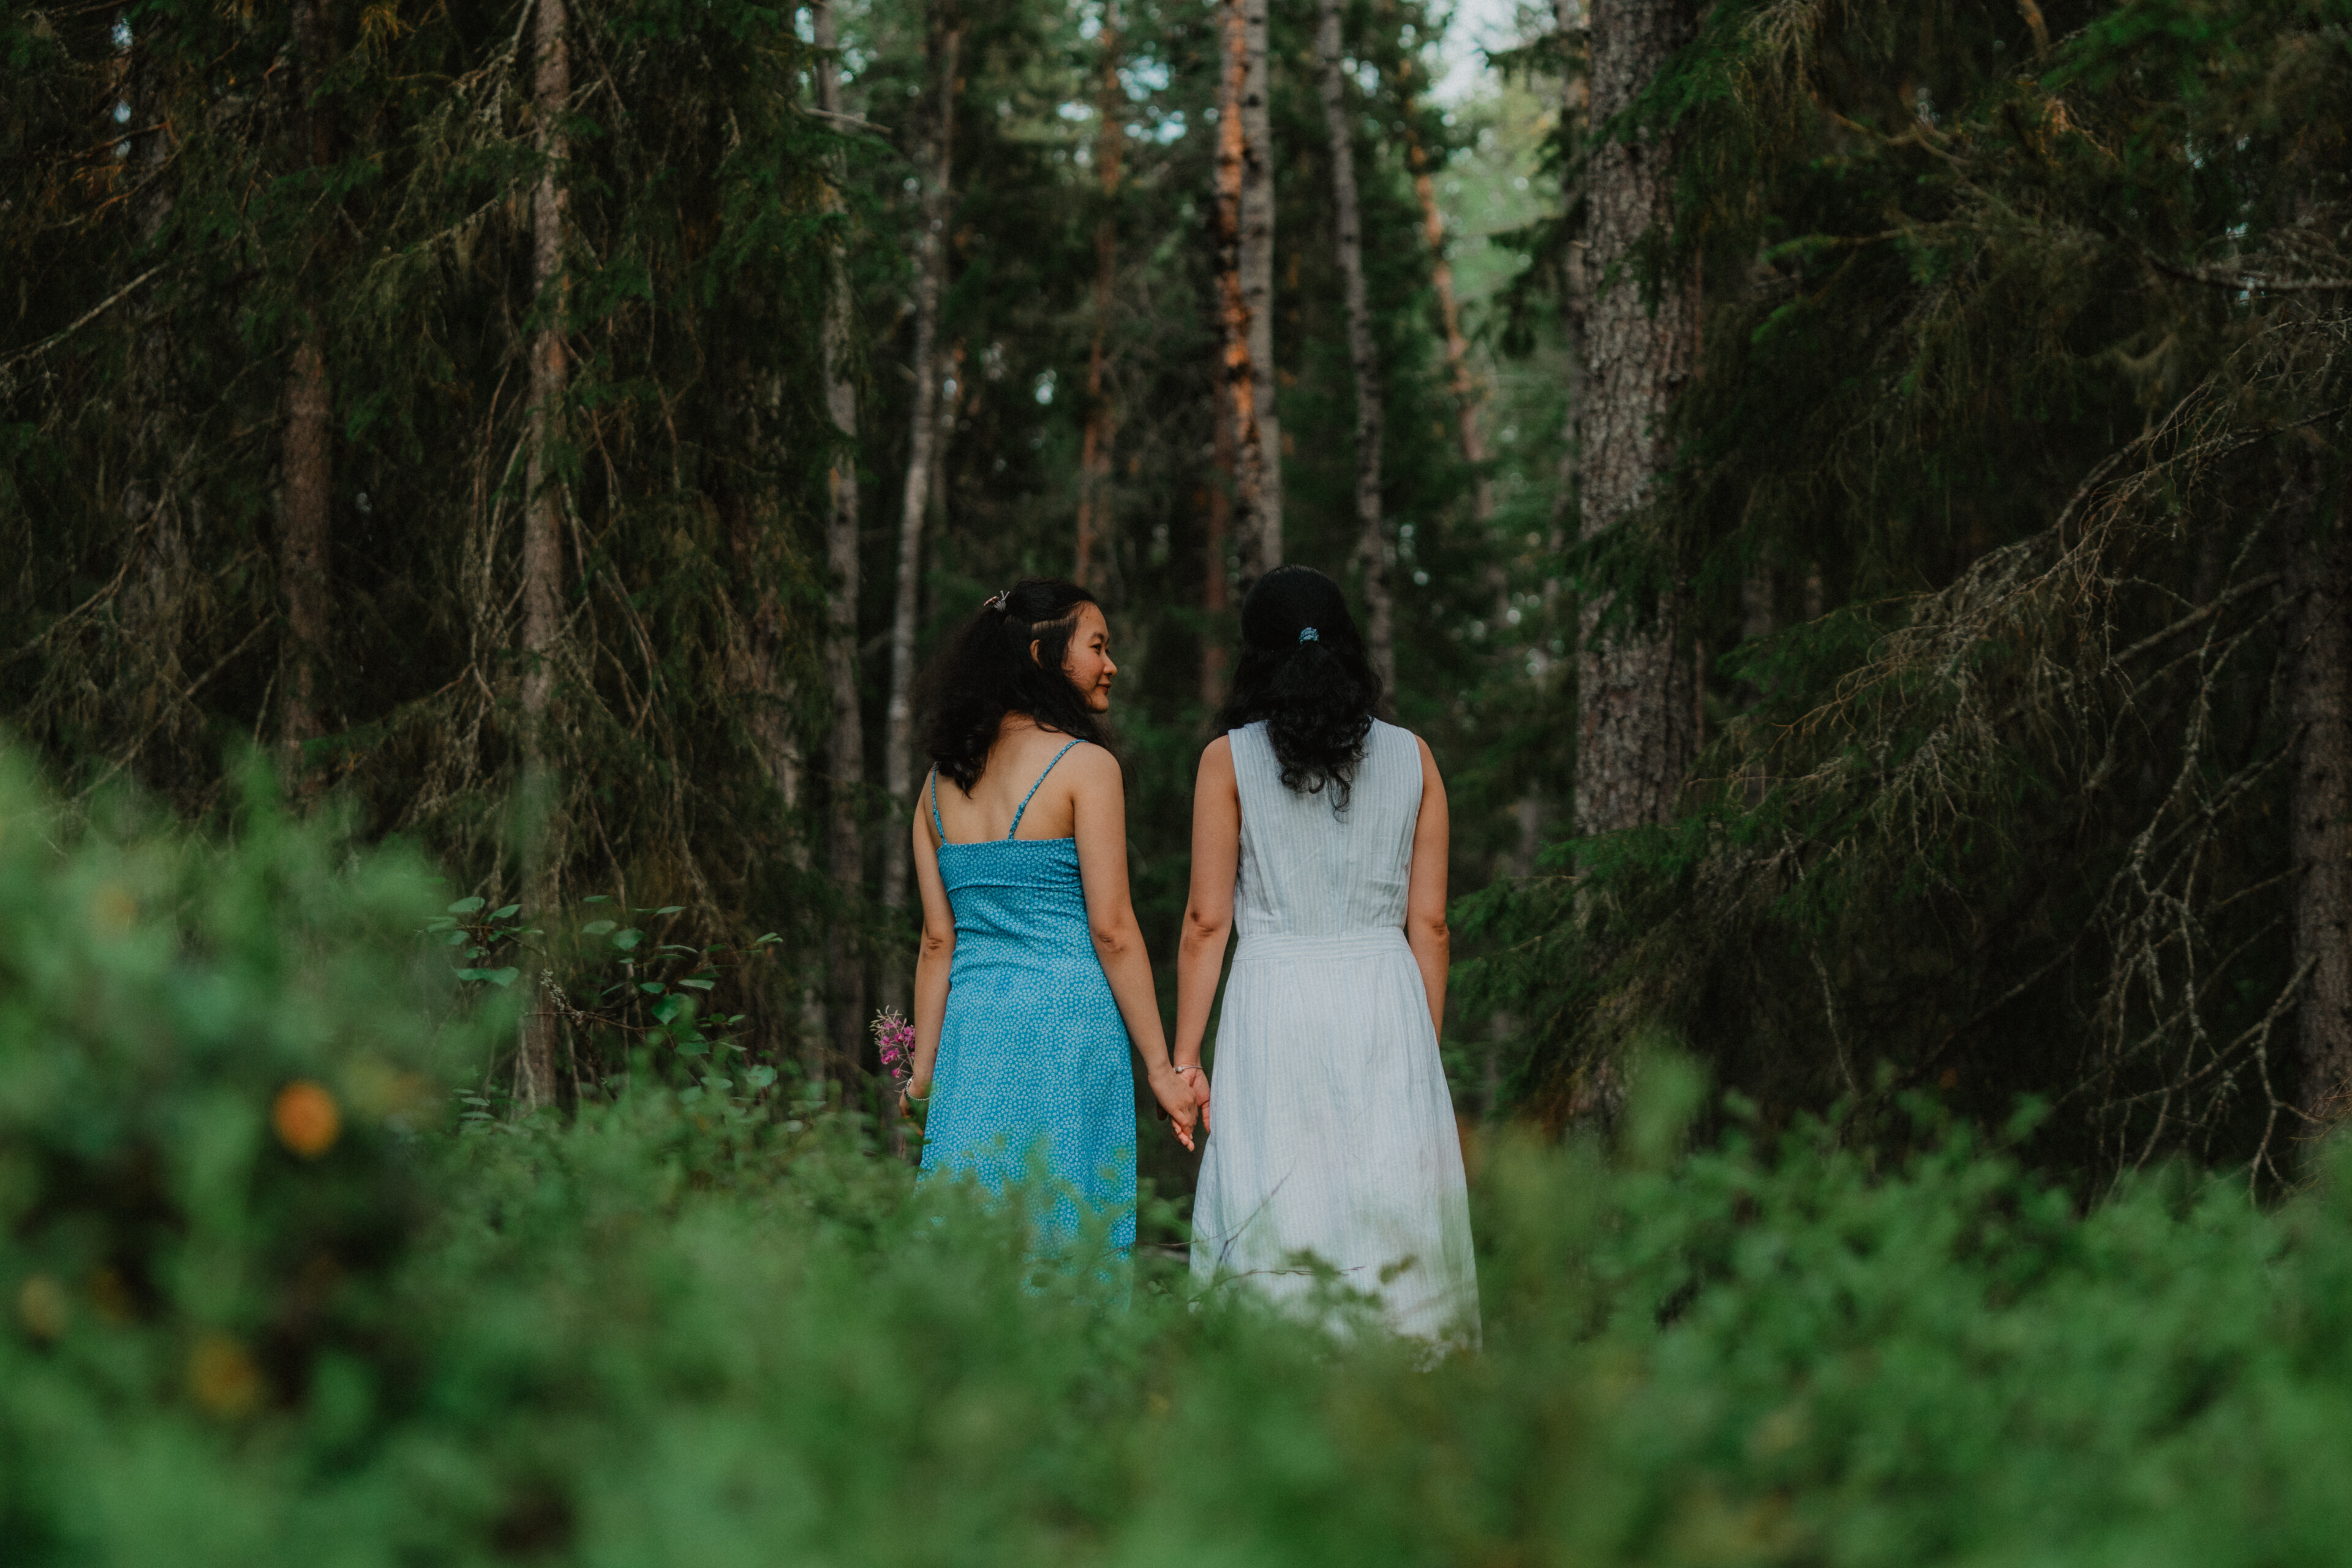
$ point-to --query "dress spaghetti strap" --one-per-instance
(938, 828)
(1025, 799)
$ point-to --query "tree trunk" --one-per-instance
(922, 439)
(1245, 283)
(2320, 827)
(760, 675)
(157, 564)
(1213, 548)
(1363, 355)
(1449, 313)
(1637, 740)
(302, 562)
(846, 745)
(1576, 302)
(543, 559)
(1102, 419)
(302, 549)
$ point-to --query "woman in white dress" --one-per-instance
(1322, 832)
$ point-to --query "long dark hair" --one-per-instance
(985, 672)
(1303, 670)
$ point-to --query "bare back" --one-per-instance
(1022, 752)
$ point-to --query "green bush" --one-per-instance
(699, 1333)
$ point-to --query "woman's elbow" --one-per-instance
(1430, 933)
(1202, 929)
(936, 944)
(1116, 938)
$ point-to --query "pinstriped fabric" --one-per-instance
(1333, 1141)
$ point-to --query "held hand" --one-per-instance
(1177, 1102)
(1198, 1077)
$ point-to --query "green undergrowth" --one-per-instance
(709, 1334)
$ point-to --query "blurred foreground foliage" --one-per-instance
(270, 1297)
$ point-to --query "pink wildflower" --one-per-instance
(894, 1038)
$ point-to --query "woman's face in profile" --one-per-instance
(1088, 664)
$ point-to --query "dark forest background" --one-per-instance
(1863, 536)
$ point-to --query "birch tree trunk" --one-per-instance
(922, 440)
(1245, 283)
(1102, 419)
(1220, 533)
(1363, 355)
(309, 460)
(543, 560)
(2320, 827)
(847, 743)
(1636, 741)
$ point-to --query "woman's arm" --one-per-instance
(933, 958)
(1209, 910)
(1425, 900)
(1099, 801)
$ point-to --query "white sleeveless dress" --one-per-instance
(1332, 1131)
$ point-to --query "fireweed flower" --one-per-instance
(894, 1038)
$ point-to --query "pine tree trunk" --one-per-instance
(2320, 825)
(930, 281)
(1363, 355)
(768, 704)
(1637, 740)
(1459, 377)
(543, 559)
(156, 543)
(847, 741)
(1102, 421)
(302, 549)
(1245, 283)
(1576, 309)
(302, 560)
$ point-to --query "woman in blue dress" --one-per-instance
(1032, 981)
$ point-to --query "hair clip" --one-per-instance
(1309, 634)
(1001, 601)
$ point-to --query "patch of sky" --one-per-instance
(1141, 79)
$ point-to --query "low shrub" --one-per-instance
(271, 1298)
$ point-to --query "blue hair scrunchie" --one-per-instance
(1309, 634)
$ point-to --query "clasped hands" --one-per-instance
(1183, 1095)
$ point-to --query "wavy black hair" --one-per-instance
(985, 672)
(1317, 692)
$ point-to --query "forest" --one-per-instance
(1852, 493)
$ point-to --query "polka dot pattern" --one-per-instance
(1033, 1059)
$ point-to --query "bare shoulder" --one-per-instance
(1089, 766)
(1217, 757)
